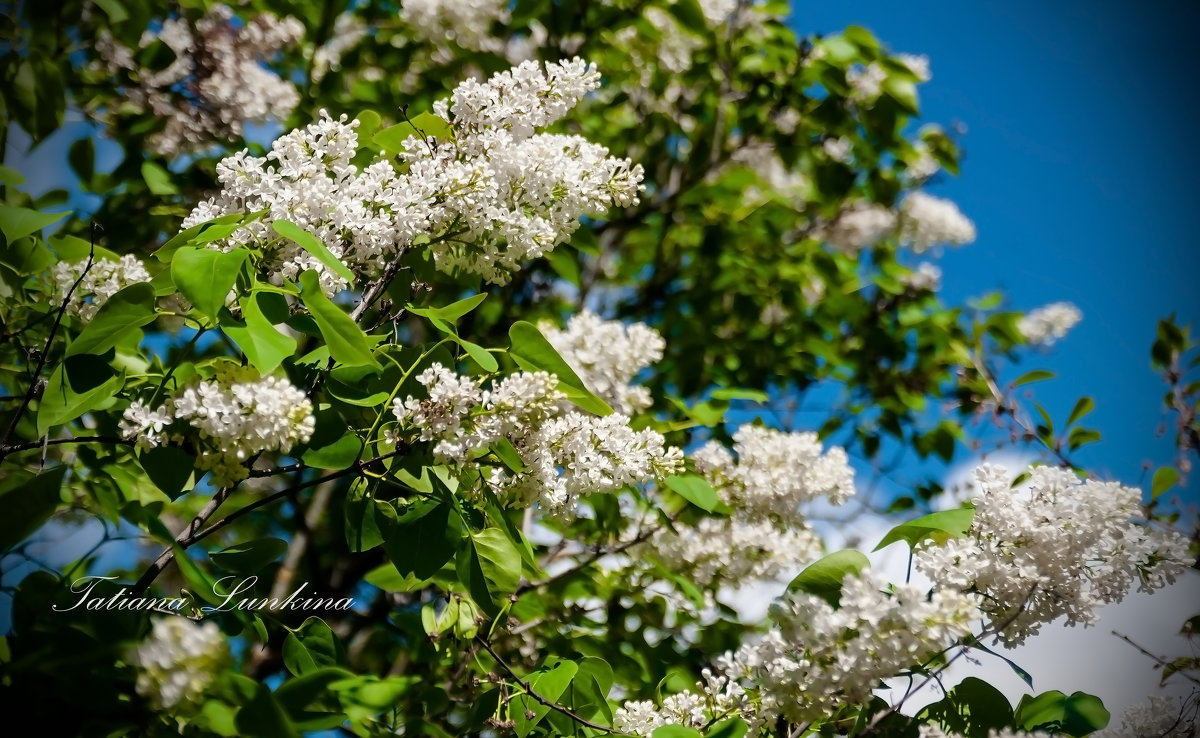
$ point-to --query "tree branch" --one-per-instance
(534, 695)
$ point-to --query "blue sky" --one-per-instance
(1078, 173)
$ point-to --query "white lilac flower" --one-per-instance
(817, 657)
(1158, 717)
(866, 82)
(775, 472)
(927, 277)
(927, 221)
(837, 149)
(566, 453)
(1049, 323)
(103, 280)
(220, 63)
(1058, 547)
(494, 195)
(230, 418)
(715, 697)
(858, 226)
(178, 661)
(918, 64)
(607, 355)
(734, 550)
(927, 730)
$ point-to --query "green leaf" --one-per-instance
(490, 567)
(118, 319)
(391, 139)
(549, 684)
(479, 354)
(1084, 406)
(938, 527)
(24, 508)
(205, 276)
(20, 222)
(508, 454)
(1164, 479)
(1036, 375)
(169, 467)
(202, 233)
(690, 16)
(158, 179)
(388, 579)
(1017, 669)
(82, 158)
(824, 577)
(309, 701)
(675, 731)
(1080, 436)
(346, 341)
(1077, 715)
(973, 708)
(314, 246)
(452, 312)
(340, 454)
(734, 393)
(11, 177)
(250, 556)
(731, 728)
(264, 345)
(310, 647)
(203, 585)
(533, 352)
(263, 717)
(423, 539)
(564, 265)
(80, 384)
(695, 489)
(367, 519)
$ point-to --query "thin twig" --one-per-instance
(45, 353)
(534, 695)
(1157, 659)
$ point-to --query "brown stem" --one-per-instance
(534, 695)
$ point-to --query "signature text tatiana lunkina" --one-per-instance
(226, 601)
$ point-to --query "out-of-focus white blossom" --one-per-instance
(103, 280)
(467, 23)
(230, 417)
(838, 149)
(178, 660)
(220, 65)
(927, 277)
(607, 355)
(928, 730)
(1049, 323)
(924, 166)
(1056, 548)
(348, 30)
(927, 221)
(918, 64)
(858, 226)
(866, 82)
(1158, 717)
(492, 196)
(816, 657)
